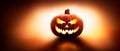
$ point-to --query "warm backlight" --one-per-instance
(34, 29)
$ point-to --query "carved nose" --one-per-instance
(66, 26)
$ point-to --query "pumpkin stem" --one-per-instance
(67, 11)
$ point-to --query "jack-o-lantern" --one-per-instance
(67, 25)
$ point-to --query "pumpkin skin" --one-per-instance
(66, 25)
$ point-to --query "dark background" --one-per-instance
(10, 10)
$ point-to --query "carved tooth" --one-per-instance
(63, 32)
(72, 30)
(66, 30)
(60, 30)
(69, 32)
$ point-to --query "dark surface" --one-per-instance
(59, 41)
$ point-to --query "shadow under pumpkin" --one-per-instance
(67, 44)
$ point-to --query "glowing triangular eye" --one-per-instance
(60, 21)
(74, 21)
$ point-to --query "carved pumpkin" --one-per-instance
(66, 25)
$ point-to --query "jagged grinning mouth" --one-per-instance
(66, 31)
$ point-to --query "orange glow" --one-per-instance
(36, 25)
(67, 46)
